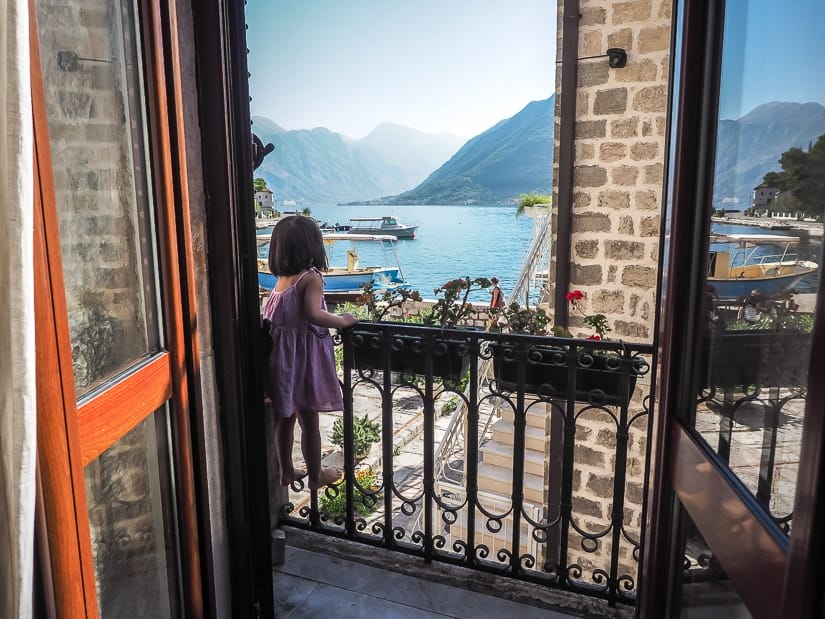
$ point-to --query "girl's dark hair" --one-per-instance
(296, 245)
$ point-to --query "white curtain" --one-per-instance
(17, 371)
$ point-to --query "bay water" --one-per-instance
(474, 240)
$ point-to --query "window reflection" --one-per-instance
(765, 247)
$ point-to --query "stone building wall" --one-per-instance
(619, 160)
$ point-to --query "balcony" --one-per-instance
(520, 458)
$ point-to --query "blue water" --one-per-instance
(451, 241)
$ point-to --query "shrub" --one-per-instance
(365, 431)
(364, 504)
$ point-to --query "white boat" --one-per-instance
(348, 278)
(381, 225)
(740, 263)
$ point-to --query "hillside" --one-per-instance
(319, 165)
(512, 157)
(749, 147)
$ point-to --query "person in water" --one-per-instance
(300, 378)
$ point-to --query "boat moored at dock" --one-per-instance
(381, 225)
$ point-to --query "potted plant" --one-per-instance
(600, 377)
(530, 200)
(407, 351)
(771, 350)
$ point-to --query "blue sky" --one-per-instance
(457, 66)
(773, 52)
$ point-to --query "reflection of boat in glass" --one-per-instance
(739, 263)
(343, 278)
(381, 225)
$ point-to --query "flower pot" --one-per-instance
(761, 358)
(599, 378)
(450, 356)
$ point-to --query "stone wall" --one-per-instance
(619, 161)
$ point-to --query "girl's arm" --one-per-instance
(313, 292)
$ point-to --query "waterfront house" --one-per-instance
(264, 203)
(133, 472)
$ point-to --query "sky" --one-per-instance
(773, 52)
(456, 66)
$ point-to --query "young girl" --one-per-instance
(300, 379)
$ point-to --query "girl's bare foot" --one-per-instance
(288, 477)
(325, 478)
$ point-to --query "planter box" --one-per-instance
(450, 356)
(607, 380)
(760, 358)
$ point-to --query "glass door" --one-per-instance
(744, 248)
(114, 460)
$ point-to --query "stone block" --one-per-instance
(592, 73)
(624, 175)
(587, 249)
(649, 226)
(614, 199)
(666, 9)
(626, 226)
(585, 274)
(624, 250)
(582, 103)
(587, 507)
(611, 274)
(650, 99)
(635, 330)
(641, 151)
(654, 39)
(591, 222)
(607, 302)
(611, 101)
(638, 70)
(601, 486)
(626, 12)
(581, 200)
(590, 129)
(589, 176)
(592, 16)
(647, 128)
(590, 42)
(634, 492)
(647, 200)
(638, 276)
(621, 38)
(625, 127)
(612, 151)
(585, 151)
(654, 174)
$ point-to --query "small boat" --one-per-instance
(740, 263)
(381, 225)
(343, 279)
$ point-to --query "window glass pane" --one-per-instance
(131, 515)
(704, 590)
(94, 97)
(765, 245)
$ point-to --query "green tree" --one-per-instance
(802, 179)
(259, 184)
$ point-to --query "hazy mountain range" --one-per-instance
(750, 146)
(319, 165)
(399, 165)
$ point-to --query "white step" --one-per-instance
(536, 415)
(499, 480)
(534, 437)
(501, 454)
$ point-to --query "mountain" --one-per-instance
(512, 157)
(749, 147)
(319, 165)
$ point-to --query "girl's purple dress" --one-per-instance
(300, 376)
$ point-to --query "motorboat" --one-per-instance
(343, 279)
(381, 225)
(740, 263)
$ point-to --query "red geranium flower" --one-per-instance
(595, 336)
(574, 295)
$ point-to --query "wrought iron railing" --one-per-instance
(552, 493)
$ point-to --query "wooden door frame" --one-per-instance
(64, 447)
(677, 454)
(226, 146)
